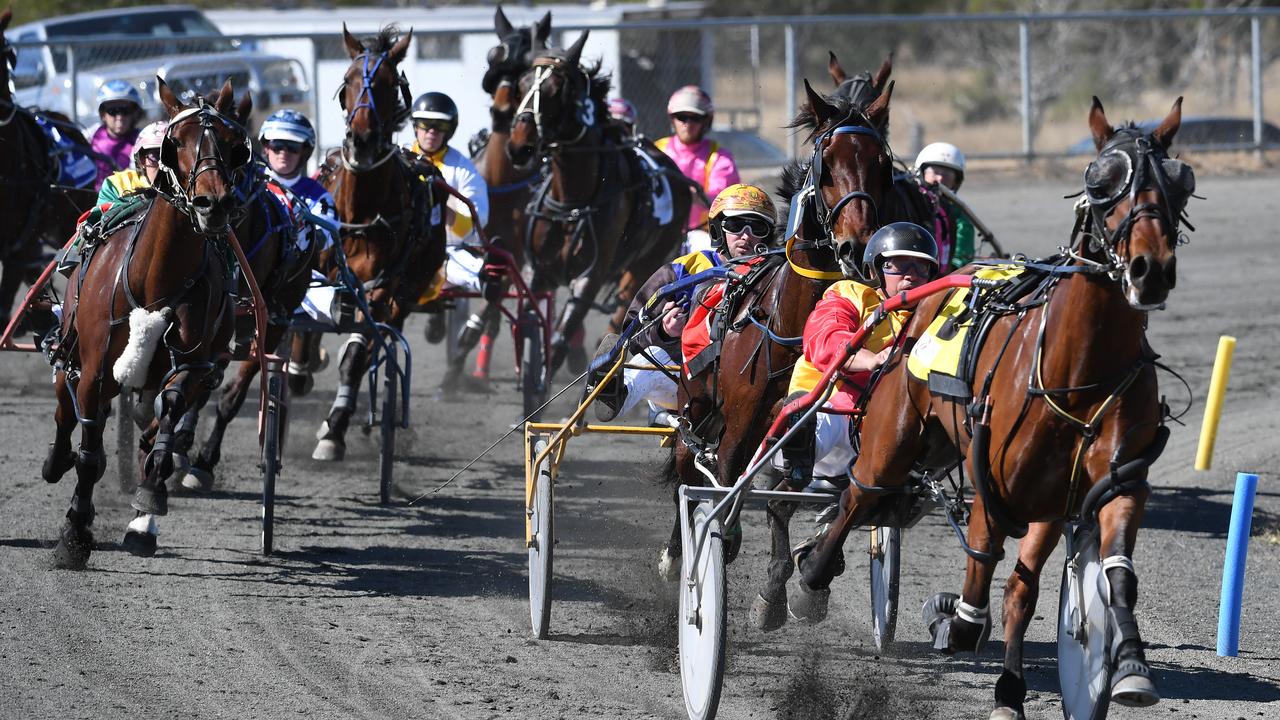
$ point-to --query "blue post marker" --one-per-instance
(1233, 566)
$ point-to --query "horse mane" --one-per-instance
(793, 177)
(385, 38)
(844, 106)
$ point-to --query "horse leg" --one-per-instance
(963, 622)
(184, 435)
(582, 293)
(679, 470)
(1131, 682)
(76, 541)
(472, 333)
(484, 356)
(199, 476)
(769, 609)
(332, 445)
(308, 358)
(1020, 595)
(60, 459)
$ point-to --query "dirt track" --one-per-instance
(421, 611)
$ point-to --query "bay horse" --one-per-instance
(391, 226)
(151, 308)
(37, 211)
(592, 218)
(510, 188)
(1067, 409)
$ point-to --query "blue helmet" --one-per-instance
(118, 91)
(288, 125)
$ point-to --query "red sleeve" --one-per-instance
(829, 328)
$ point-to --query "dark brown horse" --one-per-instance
(592, 219)
(391, 226)
(1066, 410)
(510, 188)
(37, 211)
(151, 308)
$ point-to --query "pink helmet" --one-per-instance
(622, 109)
(150, 137)
(691, 99)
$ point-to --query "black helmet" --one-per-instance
(900, 239)
(437, 106)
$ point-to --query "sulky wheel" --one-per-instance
(703, 607)
(885, 550)
(1084, 638)
(533, 365)
(541, 518)
(271, 454)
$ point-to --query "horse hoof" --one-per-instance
(56, 465)
(301, 383)
(73, 548)
(808, 605)
(140, 544)
(181, 463)
(198, 480)
(151, 502)
(668, 566)
(768, 616)
(1005, 713)
(1135, 691)
(329, 451)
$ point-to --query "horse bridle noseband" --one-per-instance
(365, 100)
(531, 104)
(208, 159)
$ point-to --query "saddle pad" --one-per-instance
(661, 190)
(938, 351)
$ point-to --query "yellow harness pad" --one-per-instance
(935, 354)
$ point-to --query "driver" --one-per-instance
(119, 111)
(288, 139)
(942, 163)
(703, 161)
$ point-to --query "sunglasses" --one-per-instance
(756, 227)
(149, 158)
(118, 110)
(687, 118)
(283, 146)
(437, 125)
(903, 266)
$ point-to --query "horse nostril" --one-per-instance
(202, 203)
(1138, 268)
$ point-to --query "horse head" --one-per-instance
(560, 103)
(848, 175)
(375, 97)
(511, 58)
(206, 159)
(1137, 199)
(860, 89)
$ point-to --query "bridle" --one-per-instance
(10, 56)
(543, 68)
(370, 64)
(509, 57)
(237, 172)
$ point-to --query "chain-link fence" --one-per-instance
(996, 85)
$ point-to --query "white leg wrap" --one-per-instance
(971, 614)
(1118, 561)
(145, 524)
(145, 330)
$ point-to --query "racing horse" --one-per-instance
(510, 189)
(150, 308)
(592, 218)
(391, 225)
(36, 208)
(1065, 419)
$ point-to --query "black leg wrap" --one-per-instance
(813, 574)
(153, 501)
(1011, 692)
(91, 464)
(1126, 644)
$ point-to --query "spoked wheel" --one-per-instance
(387, 436)
(533, 365)
(126, 445)
(885, 551)
(541, 519)
(1084, 642)
(271, 438)
(703, 615)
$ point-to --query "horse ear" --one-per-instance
(574, 55)
(822, 110)
(1098, 125)
(400, 49)
(882, 75)
(878, 110)
(838, 75)
(244, 107)
(354, 48)
(5, 17)
(226, 96)
(501, 24)
(541, 32)
(171, 103)
(1164, 134)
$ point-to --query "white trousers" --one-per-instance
(833, 452)
(654, 386)
(462, 269)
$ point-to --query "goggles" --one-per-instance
(283, 146)
(437, 125)
(688, 118)
(907, 266)
(119, 109)
(753, 226)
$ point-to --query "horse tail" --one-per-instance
(668, 476)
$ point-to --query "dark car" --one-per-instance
(1213, 133)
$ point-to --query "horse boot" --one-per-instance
(454, 380)
(75, 542)
(1131, 683)
(955, 625)
(804, 601)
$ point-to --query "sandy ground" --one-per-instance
(421, 611)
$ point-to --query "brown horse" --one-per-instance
(391, 221)
(592, 219)
(1065, 420)
(510, 188)
(36, 210)
(151, 308)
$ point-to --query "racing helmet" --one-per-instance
(622, 110)
(690, 99)
(741, 200)
(941, 154)
(288, 125)
(437, 106)
(900, 239)
(118, 91)
(151, 137)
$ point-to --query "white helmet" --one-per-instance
(941, 154)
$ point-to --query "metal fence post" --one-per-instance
(1255, 29)
(707, 61)
(755, 66)
(314, 84)
(74, 74)
(1024, 63)
(789, 50)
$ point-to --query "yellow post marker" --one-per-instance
(1213, 407)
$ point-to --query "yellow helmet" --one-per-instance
(743, 199)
